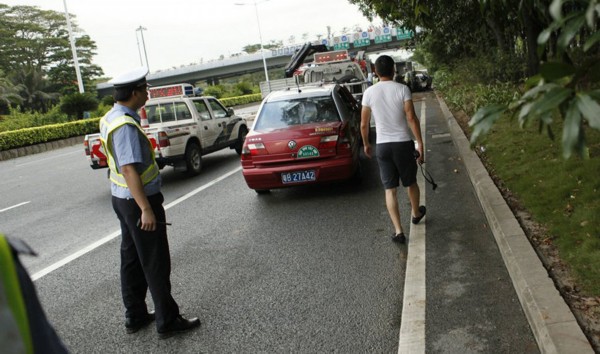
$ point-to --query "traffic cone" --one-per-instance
(144, 121)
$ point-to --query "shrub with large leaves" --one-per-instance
(568, 83)
(76, 104)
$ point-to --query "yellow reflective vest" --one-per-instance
(106, 130)
(14, 323)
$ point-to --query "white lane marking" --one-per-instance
(115, 234)
(198, 190)
(74, 256)
(14, 206)
(49, 158)
(412, 327)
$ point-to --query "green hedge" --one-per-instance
(30, 136)
(240, 100)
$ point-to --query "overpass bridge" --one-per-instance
(380, 39)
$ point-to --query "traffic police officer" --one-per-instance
(137, 201)
(23, 324)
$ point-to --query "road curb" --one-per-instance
(38, 148)
(553, 324)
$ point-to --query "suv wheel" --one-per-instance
(193, 159)
(241, 138)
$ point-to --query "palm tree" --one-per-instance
(33, 90)
(9, 94)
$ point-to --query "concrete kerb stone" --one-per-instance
(552, 322)
(38, 148)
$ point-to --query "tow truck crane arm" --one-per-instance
(298, 57)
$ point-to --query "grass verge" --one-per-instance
(563, 195)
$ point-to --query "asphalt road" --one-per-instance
(308, 269)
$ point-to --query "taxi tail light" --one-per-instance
(163, 139)
(253, 149)
(328, 142)
(344, 144)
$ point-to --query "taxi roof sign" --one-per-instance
(330, 57)
(171, 91)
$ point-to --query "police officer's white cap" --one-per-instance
(133, 78)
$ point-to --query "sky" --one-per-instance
(182, 32)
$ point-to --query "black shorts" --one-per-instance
(397, 162)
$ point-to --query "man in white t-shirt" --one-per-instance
(390, 104)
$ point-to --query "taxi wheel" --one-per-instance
(241, 138)
(193, 159)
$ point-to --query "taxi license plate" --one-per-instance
(298, 176)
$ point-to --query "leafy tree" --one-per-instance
(33, 35)
(63, 76)
(34, 90)
(568, 85)
(107, 100)
(35, 46)
(253, 48)
(557, 40)
(215, 91)
(9, 94)
(451, 31)
(273, 44)
(74, 105)
(244, 87)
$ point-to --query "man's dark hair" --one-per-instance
(123, 93)
(384, 66)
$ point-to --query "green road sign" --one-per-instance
(403, 33)
(341, 46)
(362, 42)
(382, 39)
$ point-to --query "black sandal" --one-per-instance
(422, 210)
(400, 238)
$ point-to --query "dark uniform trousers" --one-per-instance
(145, 262)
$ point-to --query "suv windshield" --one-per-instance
(281, 114)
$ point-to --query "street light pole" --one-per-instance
(142, 29)
(262, 52)
(73, 49)
(137, 39)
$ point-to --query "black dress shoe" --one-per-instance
(134, 324)
(179, 325)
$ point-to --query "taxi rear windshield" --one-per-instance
(309, 110)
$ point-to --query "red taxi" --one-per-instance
(302, 136)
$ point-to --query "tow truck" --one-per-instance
(182, 127)
(327, 67)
